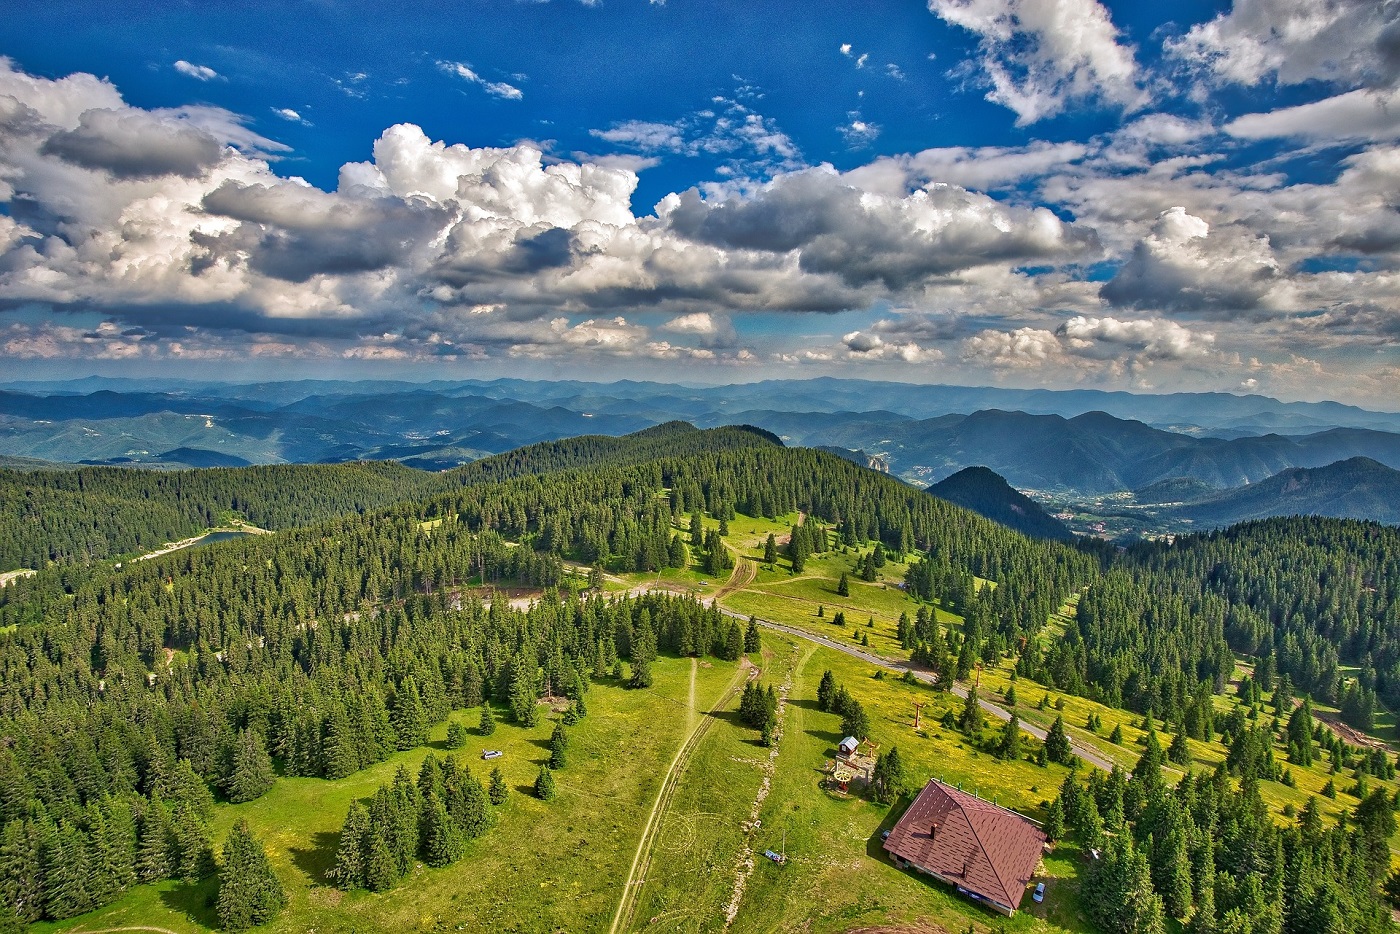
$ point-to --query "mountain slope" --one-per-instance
(1357, 488)
(987, 493)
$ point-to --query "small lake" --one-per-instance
(222, 536)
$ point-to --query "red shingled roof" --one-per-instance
(980, 846)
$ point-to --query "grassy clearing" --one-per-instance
(543, 867)
(836, 877)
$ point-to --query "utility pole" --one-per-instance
(917, 708)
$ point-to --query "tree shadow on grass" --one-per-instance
(826, 736)
(730, 717)
(806, 703)
(195, 900)
(317, 859)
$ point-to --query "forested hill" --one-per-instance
(128, 693)
(74, 516)
(1357, 488)
(987, 493)
(672, 439)
(1306, 596)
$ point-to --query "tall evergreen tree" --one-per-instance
(250, 774)
(249, 891)
(544, 784)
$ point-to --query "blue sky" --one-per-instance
(972, 191)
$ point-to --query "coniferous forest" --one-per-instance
(135, 698)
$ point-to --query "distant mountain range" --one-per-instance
(1356, 488)
(1167, 449)
(986, 492)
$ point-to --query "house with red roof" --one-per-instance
(989, 853)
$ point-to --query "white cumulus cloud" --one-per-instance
(1039, 55)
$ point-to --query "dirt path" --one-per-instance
(745, 570)
(641, 860)
(744, 865)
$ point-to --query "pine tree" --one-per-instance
(249, 891)
(558, 747)
(499, 790)
(643, 652)
(544, 784)
(826, 691)
(1009, 745)
(442, 838)
(251, 774)
(972, 715)
(854, 721)
(1057, 744)
(488, 720)
(770, 550)
(456, 735)
(350, 862)
(753, 640)
(524, 699)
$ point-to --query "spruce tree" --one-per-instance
(1054, 825)
(409, 716)
(251, 774)
(889, 780)
(643, 652)
(770, 550)
(488, 721)
(558, 747)
(456, 735)
(753, 641)
(442, 838)
(153, 855)
(499, 790)
(1179, 752)
(544, 784)
(843, 586)
(972, 715)
(854, 721)
(524, 705)
(349, 872)
(826, 691)
(1057, 744)
(249, 891)
(1009, 746)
